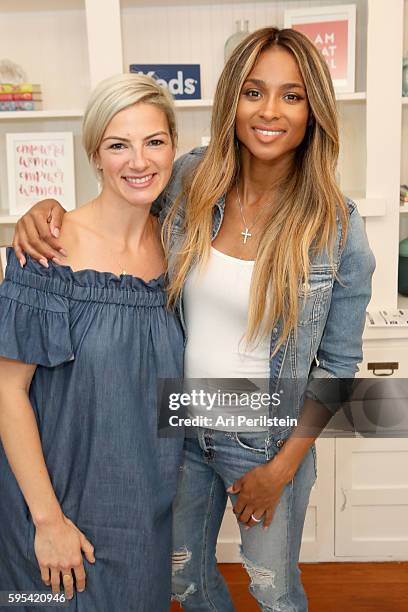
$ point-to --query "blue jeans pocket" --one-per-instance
(255, 441)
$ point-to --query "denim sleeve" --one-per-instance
(183, 167)
(340, 349)
(34, 322)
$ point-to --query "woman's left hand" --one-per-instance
(259, 492)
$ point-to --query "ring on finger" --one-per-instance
(66, 577)
(256, 519)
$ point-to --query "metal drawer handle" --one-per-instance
(383, 365)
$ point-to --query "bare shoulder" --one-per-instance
(74, 229)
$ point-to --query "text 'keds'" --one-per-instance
(182, 80)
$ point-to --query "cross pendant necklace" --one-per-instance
(247, 234)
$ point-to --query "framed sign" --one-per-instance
(333, 30)
(182, 80)
(40, 165)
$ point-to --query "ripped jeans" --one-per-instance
(213, 461)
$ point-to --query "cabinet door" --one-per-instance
(371, 498)
(318, 534)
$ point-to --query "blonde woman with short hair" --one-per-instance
(271, 269)
(86, 484)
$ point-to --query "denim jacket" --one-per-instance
(328, 340)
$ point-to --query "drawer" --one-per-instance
(384, 358)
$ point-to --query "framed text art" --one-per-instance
(40, 165)
(333, 30)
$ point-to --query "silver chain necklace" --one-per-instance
(246, 234)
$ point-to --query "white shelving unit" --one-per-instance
(403, 301)
(40, 115)
(69, 46)
(351, 97)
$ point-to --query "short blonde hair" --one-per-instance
(116, 93)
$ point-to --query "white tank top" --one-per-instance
(215, 307)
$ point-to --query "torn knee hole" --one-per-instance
(261, 577)
(180, 598)
(180, 558)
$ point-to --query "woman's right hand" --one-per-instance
(58, 547)
(37, 232)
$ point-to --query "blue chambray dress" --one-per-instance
(100, 343)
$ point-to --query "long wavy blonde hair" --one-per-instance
(304, 217)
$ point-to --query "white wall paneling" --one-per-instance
(352, 146)
(103, 32)
(52, 48)
(192, 125)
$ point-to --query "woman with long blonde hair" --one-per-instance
(271, 270)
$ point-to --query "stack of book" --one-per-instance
(22, 97)
(404, 195)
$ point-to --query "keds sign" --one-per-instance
(182, 80)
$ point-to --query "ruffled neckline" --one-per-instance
(86, 277)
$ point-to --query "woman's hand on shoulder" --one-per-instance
(37, 233)
(58, 547)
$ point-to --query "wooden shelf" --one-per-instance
(7, 219)
(193, 103)
(388, 333)
(351, 97)
(405, 101)
(78, 114)
(40, 5)
(42, 114)
(130, 4)
(402, 301)
(403, 208)
(385, 333)
(369, 207)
